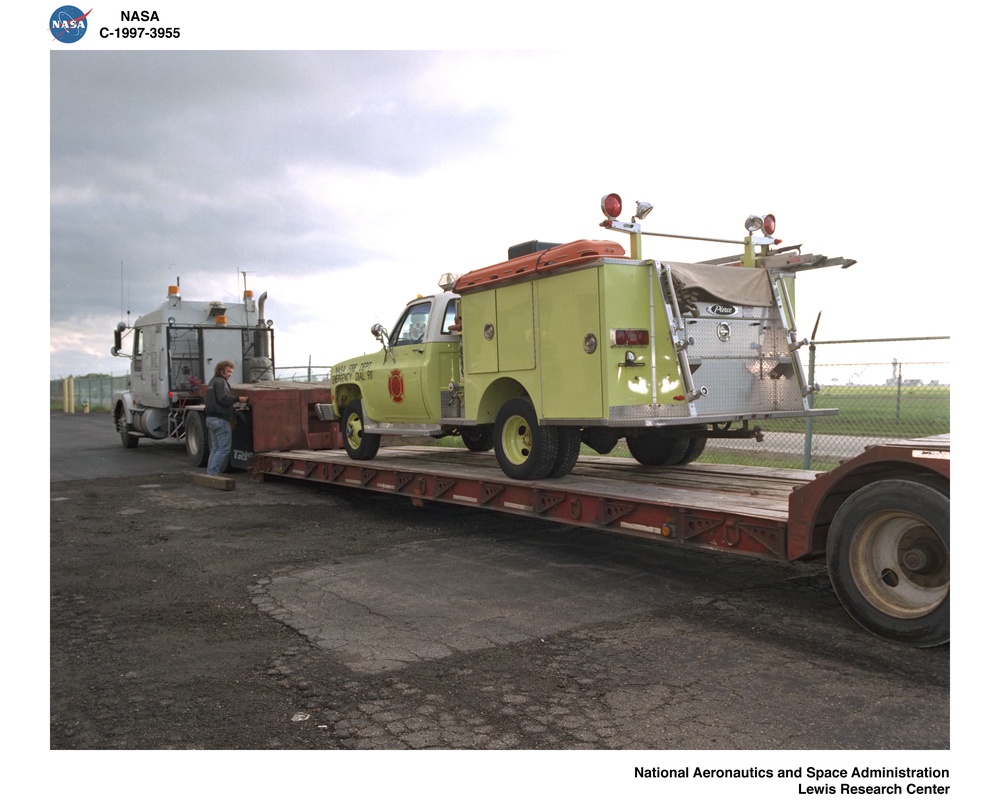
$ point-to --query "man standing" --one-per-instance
(220, 417)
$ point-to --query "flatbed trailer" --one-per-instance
(881, 519)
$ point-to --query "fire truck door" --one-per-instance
(397, 391)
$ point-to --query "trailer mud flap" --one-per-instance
(242, 452)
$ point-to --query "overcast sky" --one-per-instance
(344, 183)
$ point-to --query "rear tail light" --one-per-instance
(629, 337)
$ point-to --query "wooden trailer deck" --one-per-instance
(719, 507)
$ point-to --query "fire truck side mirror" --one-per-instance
(380, 333)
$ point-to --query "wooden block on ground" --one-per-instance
(215, 482)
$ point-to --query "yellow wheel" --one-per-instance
(358, 444)
(524, 449)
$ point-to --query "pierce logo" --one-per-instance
(68, 24)
(720, 310)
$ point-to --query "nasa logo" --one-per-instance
(140, 16)
(396, 389)
(68, 24)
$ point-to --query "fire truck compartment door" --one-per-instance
(569, 311)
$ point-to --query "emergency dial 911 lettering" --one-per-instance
(133, 31)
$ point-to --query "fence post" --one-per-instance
(69, 398)
(899, 387)
(810, 401)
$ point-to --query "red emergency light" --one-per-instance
(611, 206)
(630, 337)
(769, 225)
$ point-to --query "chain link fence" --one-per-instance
(91, 393)
(94, 393)
(882, 389)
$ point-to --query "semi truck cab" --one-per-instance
(173, 352)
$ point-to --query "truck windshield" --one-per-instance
(412, 328)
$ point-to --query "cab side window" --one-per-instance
(137, 351)
(452, 322)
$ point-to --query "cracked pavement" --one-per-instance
(292, 616)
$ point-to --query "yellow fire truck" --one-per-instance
(583, 342)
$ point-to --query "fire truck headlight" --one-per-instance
(753, 223)
(611, 206)
(642, 209)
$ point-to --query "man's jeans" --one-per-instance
(220, 443)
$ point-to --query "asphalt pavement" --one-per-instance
(403, 628)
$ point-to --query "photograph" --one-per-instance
(542, 397)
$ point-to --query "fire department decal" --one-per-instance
(396, 389)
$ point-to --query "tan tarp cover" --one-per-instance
(740, 286)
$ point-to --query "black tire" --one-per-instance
(196, 439)
(657, 450)
(359, 445)
(129, 442)
(696, 446)
(478, 439)
(567, 453)
(695, 449)
(887, 553)
(525, 450)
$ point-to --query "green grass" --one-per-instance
(877, 411)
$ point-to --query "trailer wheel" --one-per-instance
(196, 439)
(121, 423)
(478, 439)
(567, 453)
(359, 445)
(524, 449)
(656, 450)
(888, 559)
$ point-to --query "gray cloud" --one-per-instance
(163, 160)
